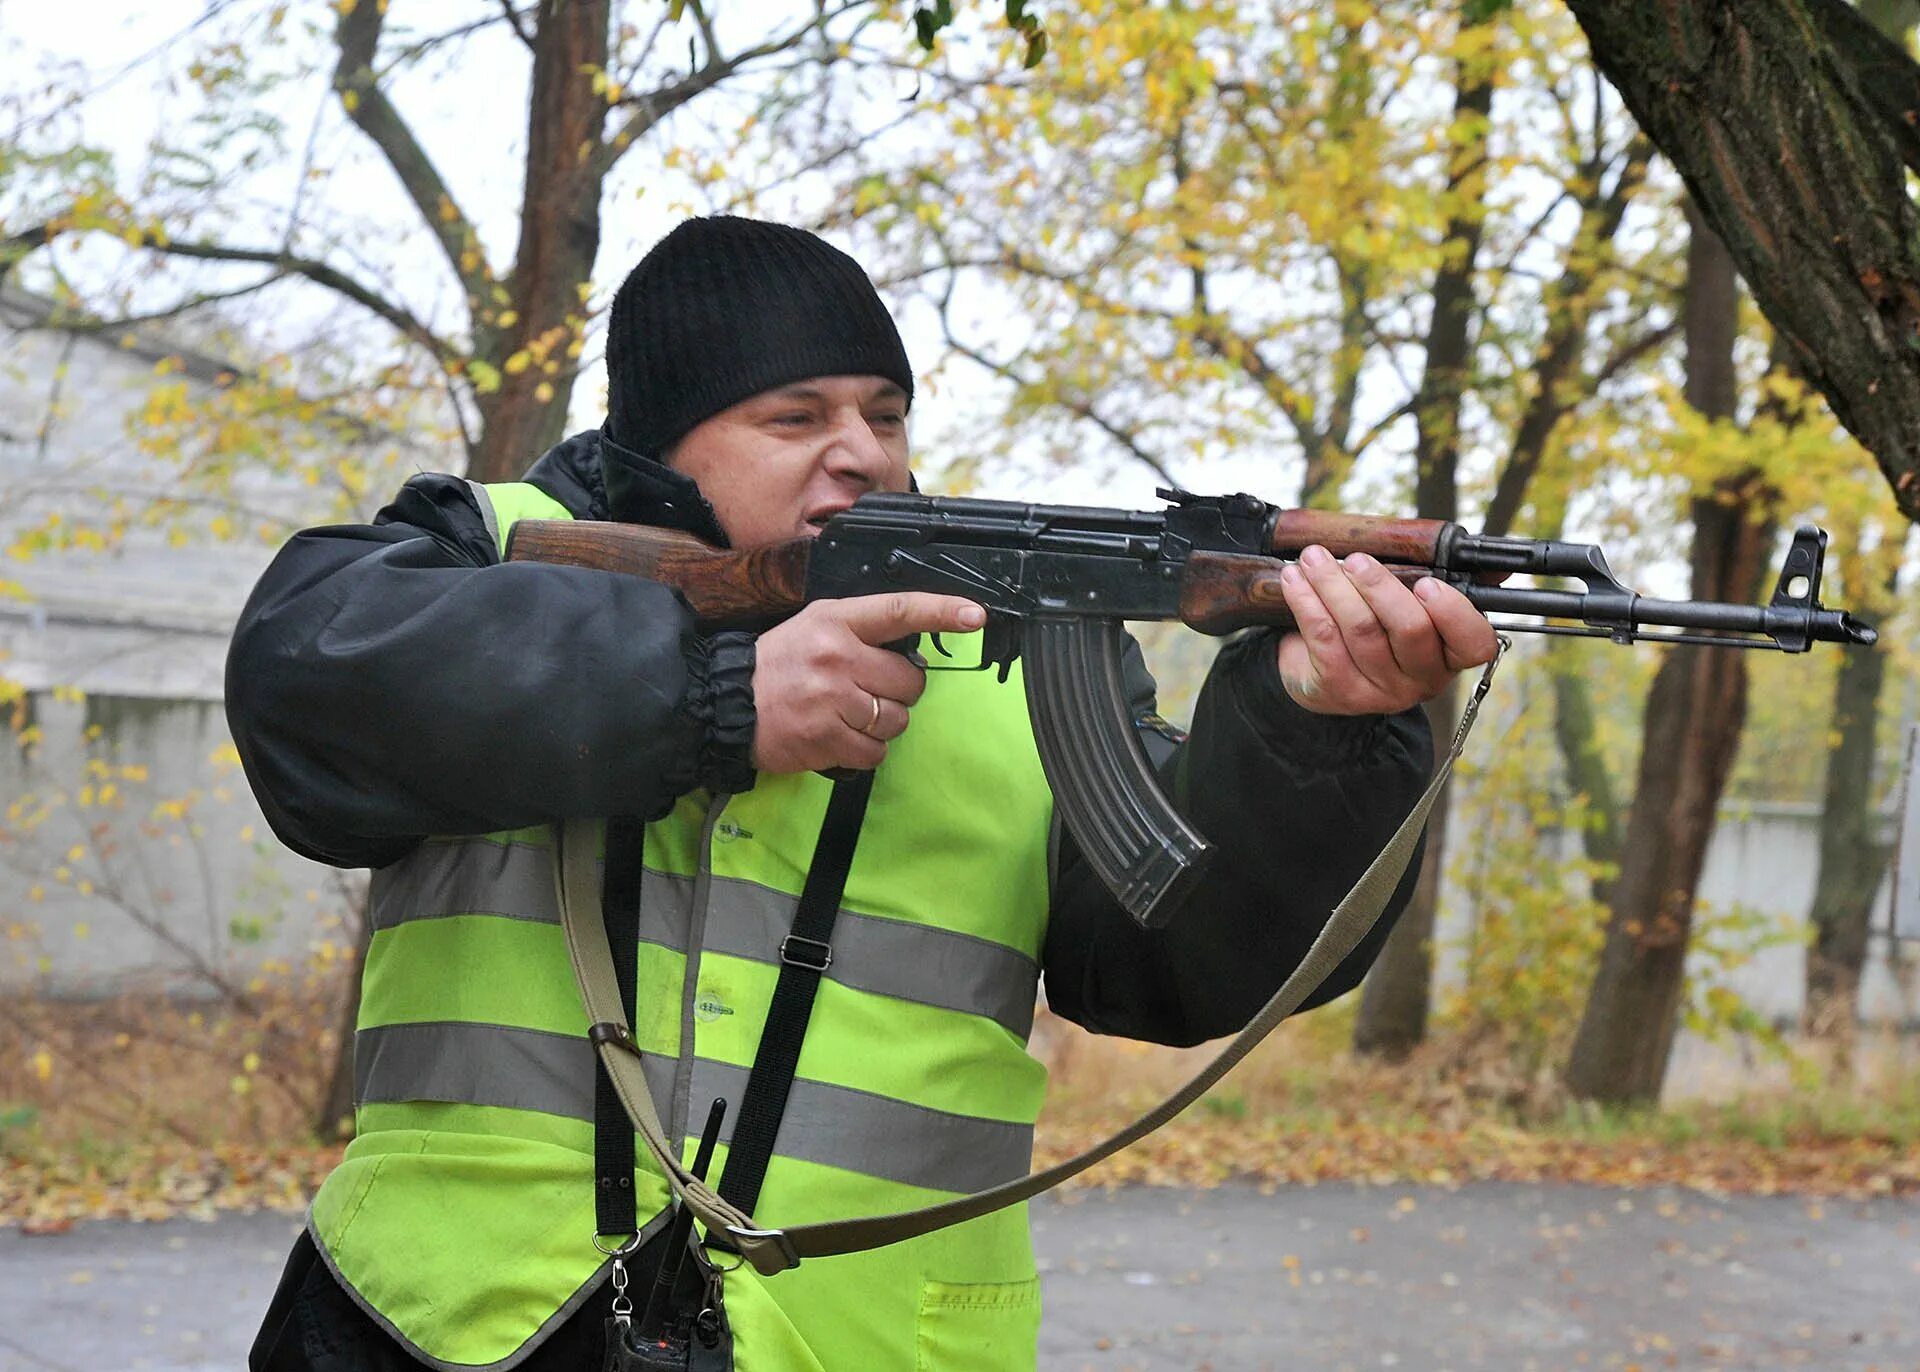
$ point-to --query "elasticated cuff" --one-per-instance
(1310, 742)
(720, 700)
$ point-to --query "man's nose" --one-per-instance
(856, 449)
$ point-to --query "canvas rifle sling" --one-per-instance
(774, 1250)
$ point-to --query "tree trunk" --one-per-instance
(1587, 775)
(1852, 859)
(1695, 713)
(1398, 992)
(543, 315)
(1793, 123)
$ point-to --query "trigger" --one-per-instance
(1000, 643)
(938, 646)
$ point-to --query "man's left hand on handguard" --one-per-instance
(1366, 643)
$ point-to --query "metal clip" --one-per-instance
(1501, 644)
(622, 1307)
(809, 953)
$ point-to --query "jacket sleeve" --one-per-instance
(394, 680)
(1297, 805)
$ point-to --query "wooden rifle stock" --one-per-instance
(724, 588)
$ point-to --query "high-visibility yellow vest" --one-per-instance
(462, 1215)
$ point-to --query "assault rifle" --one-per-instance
(1057, 581)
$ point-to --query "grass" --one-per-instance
(146, 1107)
(1304, 1081)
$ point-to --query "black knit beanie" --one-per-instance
(724, 308)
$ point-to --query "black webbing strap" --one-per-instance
(613, 1207)
(805, 953)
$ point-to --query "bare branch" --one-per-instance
(706, 30)
(16, 246)
(650, 108)
(358, 36)
(78, 324)
(515, 21)
(321, 274)
(1079, 406)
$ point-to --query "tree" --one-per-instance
(507, 340)
(1695, 713)
(1852, 859)
(1212, 230)
(1793, 124)
(491, 345)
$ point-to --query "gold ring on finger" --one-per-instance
(868, 730)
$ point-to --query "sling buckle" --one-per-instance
(809, 953)
(769, 1250)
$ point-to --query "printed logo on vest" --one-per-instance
(708, 1007)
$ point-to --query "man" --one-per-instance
(406, 701)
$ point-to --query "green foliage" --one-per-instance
(15, 1122)
(1724, 940)
(1225, 1105)
(1534, 933)
(928, 24)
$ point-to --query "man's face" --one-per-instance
(778, 465)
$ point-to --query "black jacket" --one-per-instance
(394, 680)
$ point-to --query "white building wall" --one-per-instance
(99, 896)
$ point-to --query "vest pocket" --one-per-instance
(977, 1326)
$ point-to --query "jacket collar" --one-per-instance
(643, 491)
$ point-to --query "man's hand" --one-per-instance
(825, 692)
(1368, 645)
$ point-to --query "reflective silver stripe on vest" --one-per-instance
(912, 962)
(512, 880)
(533, 1069)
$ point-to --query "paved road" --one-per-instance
(1310, 1280)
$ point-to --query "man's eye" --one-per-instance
(892, 421)
(793, 420)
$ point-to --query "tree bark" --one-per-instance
(1395, 1002)
(1397, 995)
(1695, 713)
(1587, 775)
(559, 238)
(1793, 123)
(1852, 859)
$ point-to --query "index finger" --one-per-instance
(880, 619)
(1466, 638)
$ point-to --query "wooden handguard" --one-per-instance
(1414, 541)
(1222, 592)
(741, 589)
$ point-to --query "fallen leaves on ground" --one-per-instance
(1202, 1151)
(46, 1195)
